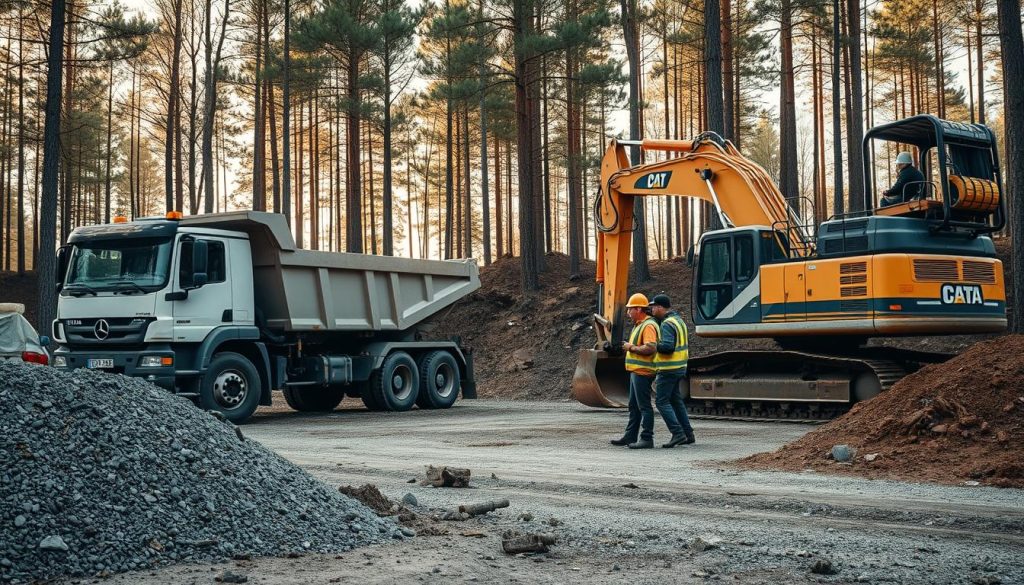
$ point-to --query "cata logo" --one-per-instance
(961, 294)
(658, 180)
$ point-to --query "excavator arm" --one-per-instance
(706, 168)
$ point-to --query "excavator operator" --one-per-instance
(908, 184)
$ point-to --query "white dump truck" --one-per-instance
(224, 309)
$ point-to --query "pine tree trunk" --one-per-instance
(727, 72)
(855, 121)
(789, 180)
(979, 47)
(525, 77)
(837, 194)
(173, 99)
(389, 243)
(286, 98)
(498, 225)
(259, 165)
(45, 263)
(485, 195)
(1012, 46)
(630, 29)
(353, 202)
(21, 144)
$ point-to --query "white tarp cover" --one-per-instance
(16, 334)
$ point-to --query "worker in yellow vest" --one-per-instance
(640, 349)
(670, 362)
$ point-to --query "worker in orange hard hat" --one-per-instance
(640, 349)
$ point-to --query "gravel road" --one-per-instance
(552, 461)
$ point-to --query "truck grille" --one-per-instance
(118, 331)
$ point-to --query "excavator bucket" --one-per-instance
(601, 380)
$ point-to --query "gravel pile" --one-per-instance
(101, 474)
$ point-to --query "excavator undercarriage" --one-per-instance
(786, 385)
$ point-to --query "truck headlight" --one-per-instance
(155, 361)
(60, 361)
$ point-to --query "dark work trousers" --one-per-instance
(670, 402)
(641, 414)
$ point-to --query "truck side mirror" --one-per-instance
(200, 254)
(63, 254)
(690, 256)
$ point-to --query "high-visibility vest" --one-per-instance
(667, 362)
(635, 361)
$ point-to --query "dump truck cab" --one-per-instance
(223, 309)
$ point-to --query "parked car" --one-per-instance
(18, 339)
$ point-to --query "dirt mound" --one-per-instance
(952, 422)
(370, 496)
(413, 523)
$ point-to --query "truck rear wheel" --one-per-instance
(396, 385)
(231, 386)
(439, 380)
(308, 399)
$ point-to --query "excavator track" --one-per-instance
(795, 386)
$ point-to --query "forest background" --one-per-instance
(442, 129)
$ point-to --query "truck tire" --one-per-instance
(308, 399)
(439, 380)
(396, 384)
(366, 395)
(231, 386)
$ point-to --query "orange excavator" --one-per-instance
(924, 266)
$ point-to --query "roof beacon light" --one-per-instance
(173, 215)
(120, 219)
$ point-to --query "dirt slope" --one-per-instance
(958, 421)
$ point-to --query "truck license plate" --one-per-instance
(101, 363)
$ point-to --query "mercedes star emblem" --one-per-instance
(101, 329)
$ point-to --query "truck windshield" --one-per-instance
(132, 265)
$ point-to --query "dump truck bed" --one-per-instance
(308, 290)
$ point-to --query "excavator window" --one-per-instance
(744, 258)
(715, 286)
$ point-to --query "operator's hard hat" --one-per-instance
(637, 300)
(904, 158)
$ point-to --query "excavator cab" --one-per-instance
(727, 273)
(959, 161)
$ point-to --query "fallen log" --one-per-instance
(485, 507)
(446, 477)
(527, 543)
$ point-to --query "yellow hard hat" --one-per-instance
(637, 300)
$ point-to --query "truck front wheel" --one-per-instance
(396, 385)
(231, 386)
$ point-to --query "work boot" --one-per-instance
(689, 439)
(679, 439)
(642, 444)
(621, 442)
